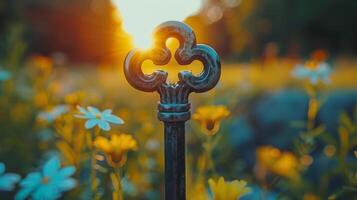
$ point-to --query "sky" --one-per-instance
(140, 17)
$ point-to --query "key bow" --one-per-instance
(173, 104)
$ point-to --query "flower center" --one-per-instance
(98, 116)
(210, 125)
(311, 65)
(117, 159)
(45, 180)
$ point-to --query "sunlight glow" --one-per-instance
(140, 17)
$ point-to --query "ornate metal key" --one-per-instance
(174, 108)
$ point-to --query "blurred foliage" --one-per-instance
(287, 138)
(238, 29)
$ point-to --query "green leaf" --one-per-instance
(298, 124)
(346, 121)
(317, 131)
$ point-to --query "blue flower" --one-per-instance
(320, 73)
(95, 117)
(5, 75)
(48, 184)
(53, 114)
(258, 193)
(7, 180)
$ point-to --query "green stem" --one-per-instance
(210, 144)
(311, 119)
(118, 189)
(94, 181)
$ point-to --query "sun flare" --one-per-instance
(140, 17)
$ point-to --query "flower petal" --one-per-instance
(2, 168)
(63, 174)
(81, 116)
(57, 111)
(7, 181)
(102, 143)
(67, 171)
(84, 114)
(23, 193)
(32, 180)
(91, 123)
(301, 72)
(113, 119)
(48, 192)
(67, 184)
(103, 125)
(314, 78)
(94, 110)
(5, 75)
(82, 110)
(107, 112)
(51, 167)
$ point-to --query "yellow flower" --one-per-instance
(223, 190)
(281, 163)
(311, 196)
(75, 98)
(198, 191)
(43, 64)
(210, 118)
(41, 99)
(116, 148)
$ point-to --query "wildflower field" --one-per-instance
(274, 127)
